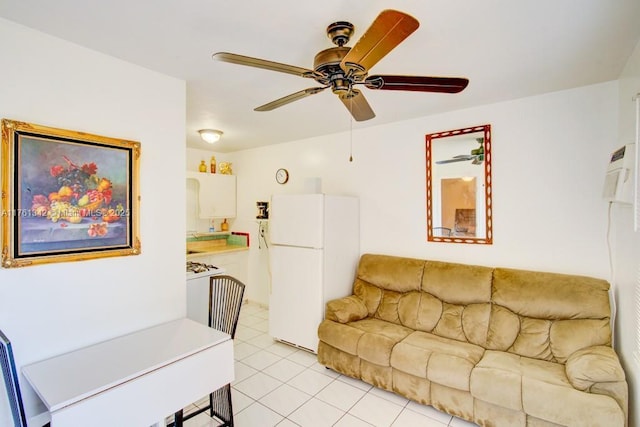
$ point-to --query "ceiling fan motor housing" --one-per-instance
(327, 63)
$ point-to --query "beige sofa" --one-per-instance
(495, 346)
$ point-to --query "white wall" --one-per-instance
(549, 158)
(626, 243)
(50, 309)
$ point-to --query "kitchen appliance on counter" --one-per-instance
(313, 253)
(198, 274)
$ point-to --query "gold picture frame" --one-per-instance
(67, 195)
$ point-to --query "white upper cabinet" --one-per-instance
(216, 194)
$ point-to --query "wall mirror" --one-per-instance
(459, 186)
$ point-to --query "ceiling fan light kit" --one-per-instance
(210, 136)
(341, 68)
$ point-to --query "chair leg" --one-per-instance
(222, 406)
(178, 418)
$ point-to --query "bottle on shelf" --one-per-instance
(212, 226)
(225, 225)
(213, 164)
(202, 167)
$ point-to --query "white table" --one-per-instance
(136, 379)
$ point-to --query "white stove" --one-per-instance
(198, 274)
(200, 269)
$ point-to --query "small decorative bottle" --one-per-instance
(225, 225)
(213, 164)
(202, 167)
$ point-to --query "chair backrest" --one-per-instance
(441, 231)
(10, 377)
(225, 301)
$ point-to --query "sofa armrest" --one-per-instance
(597, 370)
(591, 365)
(347, 309)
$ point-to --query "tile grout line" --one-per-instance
(254, 319)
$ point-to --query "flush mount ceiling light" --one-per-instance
(210, 135)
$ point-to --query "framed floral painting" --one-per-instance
(67, 196)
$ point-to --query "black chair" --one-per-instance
(14, 396)
(225, 301)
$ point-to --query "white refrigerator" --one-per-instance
(313, 253)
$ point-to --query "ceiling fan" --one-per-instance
(341, 68)
(476, 156)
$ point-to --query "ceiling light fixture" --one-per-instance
(210, 135)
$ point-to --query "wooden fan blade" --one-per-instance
(289, 99)
(386, 32)
(357, 105)
(263, 63)
(417, 83)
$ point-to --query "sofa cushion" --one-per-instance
(347, 309)
(450, 323)
(369, 294)
(340, 336)
(498, 377)
(419, 310)
(568, 336)
(551, 296)
(567, 406)
(370, 339)
(540, 389)
(490, 326)
(457, 283)
(533, 339)
(378, 339)
(388, 307)
(592, 365)
(393, 273)
(440, 360)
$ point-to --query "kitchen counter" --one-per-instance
(229, 251)
(216, 244)
(214, 250)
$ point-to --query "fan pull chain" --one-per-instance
(351, 130)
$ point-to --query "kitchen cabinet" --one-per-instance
(234, 263)
(216, 195)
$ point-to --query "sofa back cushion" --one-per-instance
(428, 296)
(490, 326)
(459, 284)
(559, 313)
(420, 311)
(391, 273)
(381, 281)
(540, 315)
(551, 296)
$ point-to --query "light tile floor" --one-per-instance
(279, 385)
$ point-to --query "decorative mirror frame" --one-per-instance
(488, 238)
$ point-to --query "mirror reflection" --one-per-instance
(459, 185)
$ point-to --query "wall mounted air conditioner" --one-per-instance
(619, 181)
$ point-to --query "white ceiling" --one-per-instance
(507, 49)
